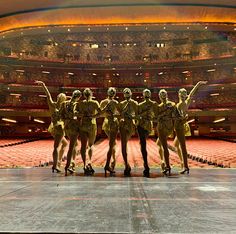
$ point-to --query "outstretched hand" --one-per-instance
(39, 82)
(202, 82)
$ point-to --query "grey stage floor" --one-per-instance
(35, 200)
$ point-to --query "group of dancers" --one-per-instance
(76, 118)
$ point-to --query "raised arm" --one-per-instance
(194, 90)
(49, 97)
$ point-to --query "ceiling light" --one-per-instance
(9, 120)
(70, 73)
(15, 94)
(214, 94)
(211, 70)
(38, 121)
(219, 120)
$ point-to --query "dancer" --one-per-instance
(71, 128)
(165, 113)
(88, 109)
(56, 127)
(110, 127)
(181, 126)
(128, 110)
(145, 125)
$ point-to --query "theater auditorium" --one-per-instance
(118, 116)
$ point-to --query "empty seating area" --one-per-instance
(203, 153)
(212, 152)
(119, 47)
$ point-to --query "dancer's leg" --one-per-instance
(84, 140)
(180, 133)
(56, 146)
(64, 144)
(73, 140)
(143, 143)
(179, 152)
(163, 140)
(161, 154)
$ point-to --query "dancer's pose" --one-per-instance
(109, 107)
(128, 110)
(56, 127)
(182, 128)
(71, 128)
(145, 125)
(88, 109)
(166, 112)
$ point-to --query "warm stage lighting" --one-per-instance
(38, 121)
(15, 94)
(219, 120)
(211, 70)
(9, 120)
(214, 94)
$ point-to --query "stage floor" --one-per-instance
(35, 200)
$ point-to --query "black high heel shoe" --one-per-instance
(166, 171)
(55, 169)
(184, 170)
(91, 170)
(72, 166)
(146, 172)
(70, 171)
(110, 170)
(127, 171)
(88, 170)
